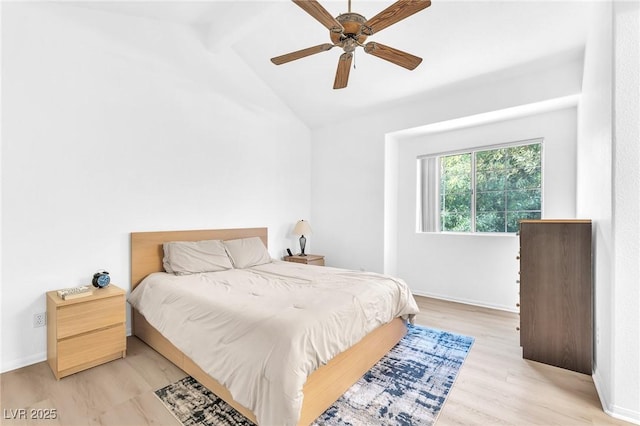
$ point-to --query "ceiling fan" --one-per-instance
(350, 30)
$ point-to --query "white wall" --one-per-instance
(115, 124)
(594, 184)
(480, 268)
(348, 158)
(608, 182)
(626, 209)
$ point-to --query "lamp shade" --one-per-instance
(302, 228)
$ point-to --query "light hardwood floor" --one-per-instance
(494, 387)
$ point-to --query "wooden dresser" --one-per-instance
(556, 293)
(85, 332)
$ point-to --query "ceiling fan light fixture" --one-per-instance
(349, 45)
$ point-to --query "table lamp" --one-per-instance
(301, 229)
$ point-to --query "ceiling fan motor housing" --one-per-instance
(353, 34)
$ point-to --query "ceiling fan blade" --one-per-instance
(390, 54)
(394, 13)
(342, 74)
(316, 10)
(283, 59)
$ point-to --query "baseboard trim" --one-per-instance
(23, 362)
(625, 414)
(465, 301)
(619, 413)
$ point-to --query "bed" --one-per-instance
(323, 386)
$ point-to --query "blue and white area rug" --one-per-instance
(407, 387)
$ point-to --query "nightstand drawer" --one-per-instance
(83, 317)
(92, 346)
(318, 262)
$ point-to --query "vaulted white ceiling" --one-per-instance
(458, 40)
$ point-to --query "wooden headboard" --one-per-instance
(146, 247)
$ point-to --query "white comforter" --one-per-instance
(261, 331)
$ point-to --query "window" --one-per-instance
(487, 190)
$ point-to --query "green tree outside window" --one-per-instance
(490, 190)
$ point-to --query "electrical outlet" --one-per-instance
(40, 319)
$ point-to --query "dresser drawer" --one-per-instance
(92, 315)
(91, 346)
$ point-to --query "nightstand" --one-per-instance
(310, 259)
(86, 331)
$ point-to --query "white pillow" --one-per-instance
(192, 257)
(246, 252)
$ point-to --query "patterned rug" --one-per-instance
(407, 387)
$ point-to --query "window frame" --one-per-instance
(421, 202)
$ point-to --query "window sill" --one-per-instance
(474, 234)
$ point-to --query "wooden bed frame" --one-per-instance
(323, 387)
